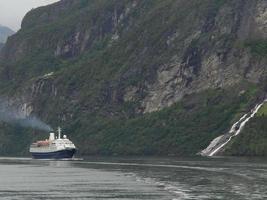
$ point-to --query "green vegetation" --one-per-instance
(252, 141)
(14, 140)
(183, 129)
(263, 110)
(93, 70)
(258, 47)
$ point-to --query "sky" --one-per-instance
(13, 11)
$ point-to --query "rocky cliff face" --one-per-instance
(211, 57)
(89, 64)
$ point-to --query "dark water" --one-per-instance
(135, 178)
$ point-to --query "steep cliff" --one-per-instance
(138, 77)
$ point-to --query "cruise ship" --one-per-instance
(53, 148)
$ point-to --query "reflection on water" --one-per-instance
(134, 178)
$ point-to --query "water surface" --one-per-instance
(134, 178)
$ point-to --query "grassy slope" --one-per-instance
(263, 110)
(183, 129)
(252, 141)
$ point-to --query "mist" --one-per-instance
(13, 115)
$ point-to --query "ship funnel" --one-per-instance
(52, 136)
(59, 133)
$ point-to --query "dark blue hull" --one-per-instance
(63, 154)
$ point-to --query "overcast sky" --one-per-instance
(12, 11)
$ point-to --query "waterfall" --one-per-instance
(218, 143)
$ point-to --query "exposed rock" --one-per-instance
(215, 66)
(113, 61)
(130, 94)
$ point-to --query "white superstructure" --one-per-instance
(52, 144)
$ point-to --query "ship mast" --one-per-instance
(59, 133)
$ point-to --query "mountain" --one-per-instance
(5, 32)
(132, 77)
(1, 45)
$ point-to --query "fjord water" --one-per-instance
(129, 178)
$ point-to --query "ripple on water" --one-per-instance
(153, 180)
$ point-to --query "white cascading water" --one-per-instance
(215, 146)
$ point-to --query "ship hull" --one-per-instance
(62, 154)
